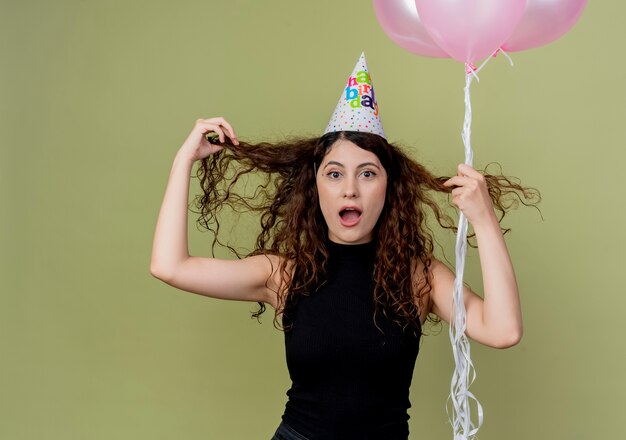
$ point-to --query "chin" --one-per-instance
(350, 238)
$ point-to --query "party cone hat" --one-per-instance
(357, 109)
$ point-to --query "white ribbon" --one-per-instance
(462, 425)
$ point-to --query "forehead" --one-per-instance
(348, 153)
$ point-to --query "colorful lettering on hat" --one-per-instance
(357, 109)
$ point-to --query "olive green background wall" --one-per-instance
(97, 96)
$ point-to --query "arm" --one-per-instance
(496, 320)
(245, 279)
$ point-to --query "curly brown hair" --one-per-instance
(292, 225)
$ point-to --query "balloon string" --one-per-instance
(473, 70)
(462, 424)
(506, 55)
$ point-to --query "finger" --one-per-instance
(223, 122)
(211, 125)
(227, 128)
(457, 201)
(457, 191)
(221, 134)
(456, 181)
(208, 128)
(449, 182)
(466, 170)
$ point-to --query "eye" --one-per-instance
(368, 174)
(333, 174)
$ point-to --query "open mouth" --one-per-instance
(350, 216)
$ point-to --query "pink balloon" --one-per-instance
(544, 21)
(470, 30)
(401, 23)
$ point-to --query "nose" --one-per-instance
(350, 190)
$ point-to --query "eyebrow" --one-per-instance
(364, 164)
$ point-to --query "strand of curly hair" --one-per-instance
(292, 225)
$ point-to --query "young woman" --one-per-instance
(345, 259)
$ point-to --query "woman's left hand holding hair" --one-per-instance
(496, 319)
(471, 195)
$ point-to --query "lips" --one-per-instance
(349, 216)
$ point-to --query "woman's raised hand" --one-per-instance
(471, 195)
(197, 147)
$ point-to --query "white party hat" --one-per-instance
(357, 109)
